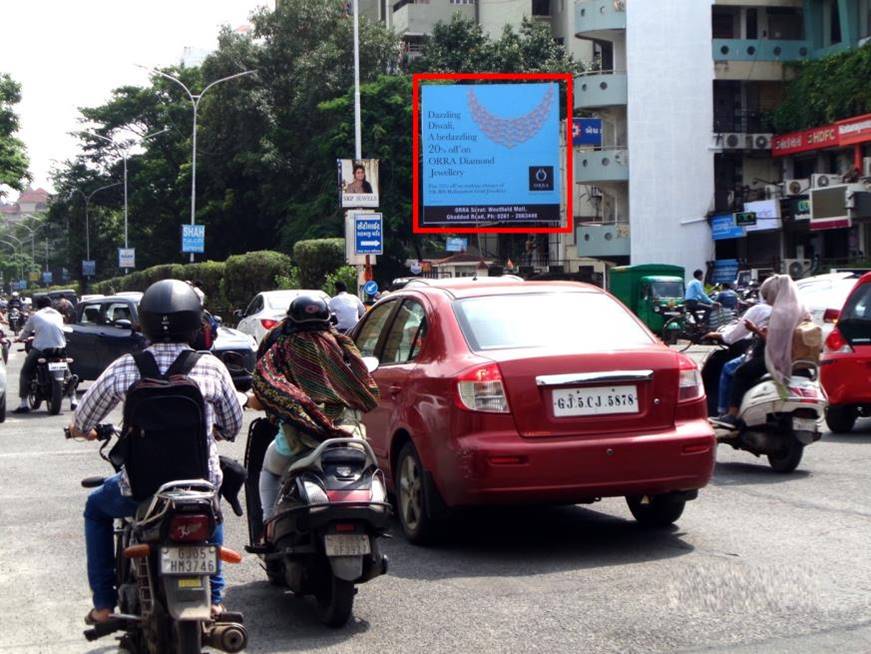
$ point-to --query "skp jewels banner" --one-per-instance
(490, 155)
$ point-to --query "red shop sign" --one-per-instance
(806, 140)
(854, 130)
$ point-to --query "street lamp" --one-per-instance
(125, 153)
(87, 203)
(32, 231)
(195, 101)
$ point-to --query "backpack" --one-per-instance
(165, 436)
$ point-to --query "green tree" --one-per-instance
(13, 155)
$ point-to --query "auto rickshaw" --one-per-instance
(653, 292)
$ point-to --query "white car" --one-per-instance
(268, 308)
(825, 295)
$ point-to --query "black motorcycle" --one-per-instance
(52, 381)
(163, 564)
(331, 511)
(15, 320)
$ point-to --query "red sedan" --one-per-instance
(508, 392)
(845, 370)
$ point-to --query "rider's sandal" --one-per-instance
(91, 621)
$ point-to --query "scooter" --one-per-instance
(777, 423)
(330, 514)
(163, 563)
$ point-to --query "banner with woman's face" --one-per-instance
(358, 182)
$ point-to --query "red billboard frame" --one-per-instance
(416, 80)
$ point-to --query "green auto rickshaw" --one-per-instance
(653, 292)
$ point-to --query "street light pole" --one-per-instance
(87, 221)
(358, 145)
(195, 102)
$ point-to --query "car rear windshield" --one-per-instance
(855, 320)
(587, 321)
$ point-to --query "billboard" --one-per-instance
(358, 183)
(490, 155)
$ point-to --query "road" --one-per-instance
(760, 563)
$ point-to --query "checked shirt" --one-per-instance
(222, 404)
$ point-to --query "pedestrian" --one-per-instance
(347, 308)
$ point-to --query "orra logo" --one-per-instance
(541, 178)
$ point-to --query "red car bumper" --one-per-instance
(502, 467)
(846, 377)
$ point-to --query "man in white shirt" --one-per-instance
(47, 327)
(348, 308)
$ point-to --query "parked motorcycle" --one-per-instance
(163, 563)
(777, 425)
(331, 512)
(52, 381)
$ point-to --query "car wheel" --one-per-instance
(841, 419)
(788, 459)
(659, 511)
(411, 498)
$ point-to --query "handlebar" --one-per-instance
(104, 432)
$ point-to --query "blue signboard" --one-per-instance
(457, 244)
(22, 284)
(587, 131)
(193, 238)
(370, 287)
(47, 277)
(89, 267)
(725, 270)
(723, 226)
(491, 155)
(368, 233)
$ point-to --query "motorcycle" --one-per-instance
(330, 514)
(163, 563)
(687, 327)
(15, 320)
(52, 380)
(778, 425)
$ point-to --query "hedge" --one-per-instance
(317, 258)
(247, 274)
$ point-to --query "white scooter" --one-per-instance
(779, 422)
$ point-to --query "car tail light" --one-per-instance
(690, 386)
(481, 389)
(831, 315)
(268, 323)
(190, 528)
(836, 343)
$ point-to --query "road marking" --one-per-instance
(15, 455)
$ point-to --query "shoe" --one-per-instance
(74, 406)
(726, 420)
(21, 409)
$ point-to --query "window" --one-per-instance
(91, 315)
(462, 2)
(752, 24)
(255, 306)
(834, 22)
(864, 18)
(406, 334)
(367, 338)
(723, 23)
(118, 311)
(785, 23)
(541, 7)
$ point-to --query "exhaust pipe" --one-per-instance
(229, 637)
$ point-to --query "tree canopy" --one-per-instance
(13, 155)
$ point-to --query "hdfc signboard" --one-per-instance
(841, 134)
(854, 130)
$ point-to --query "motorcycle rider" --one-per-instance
(170, 315)
(348, 308)
(773, 351)
(47, 327)
(313, 382)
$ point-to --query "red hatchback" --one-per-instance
(508, 392)
(845, 370)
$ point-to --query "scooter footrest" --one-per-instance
(258, 549)
(230, 616)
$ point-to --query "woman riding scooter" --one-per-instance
(314, 383)
(773, 350)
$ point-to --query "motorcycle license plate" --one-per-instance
(57, 365)
(804, 424)
(187, 561)
(595, 401)
(347, 544)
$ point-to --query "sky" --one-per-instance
(71, 53)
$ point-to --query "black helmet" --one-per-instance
(170, 312)
(309, 311)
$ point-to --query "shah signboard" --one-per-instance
(358, 183)
(193, 238)
(491, 155)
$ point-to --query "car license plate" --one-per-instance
(595, 401)
(804, 424)
(187, 561)
(347, 544)
(57, 365)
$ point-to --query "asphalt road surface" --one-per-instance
(759, 563)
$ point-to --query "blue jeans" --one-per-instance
(725, 388)
(104, 505)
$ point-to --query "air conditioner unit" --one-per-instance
(772, 191)
(796, 268)
(760, 141)
(733, 141)
(866, 167)
(824, 180)
(796, 186)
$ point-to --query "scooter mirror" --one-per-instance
(372, 363)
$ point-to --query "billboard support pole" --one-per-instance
(358, 146)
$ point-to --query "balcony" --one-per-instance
(419, 18)
(760, 50)
(609, 164)
(594, 18)
(600, 89)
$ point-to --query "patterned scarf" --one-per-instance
(307, 379)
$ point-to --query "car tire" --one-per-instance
(660, 511)
(841, 419)
(57, 397)
(411, 497)
(787, 460)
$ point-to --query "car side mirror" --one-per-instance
(123, 323)
(218, 320)
(237, 313)
(372, 363)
